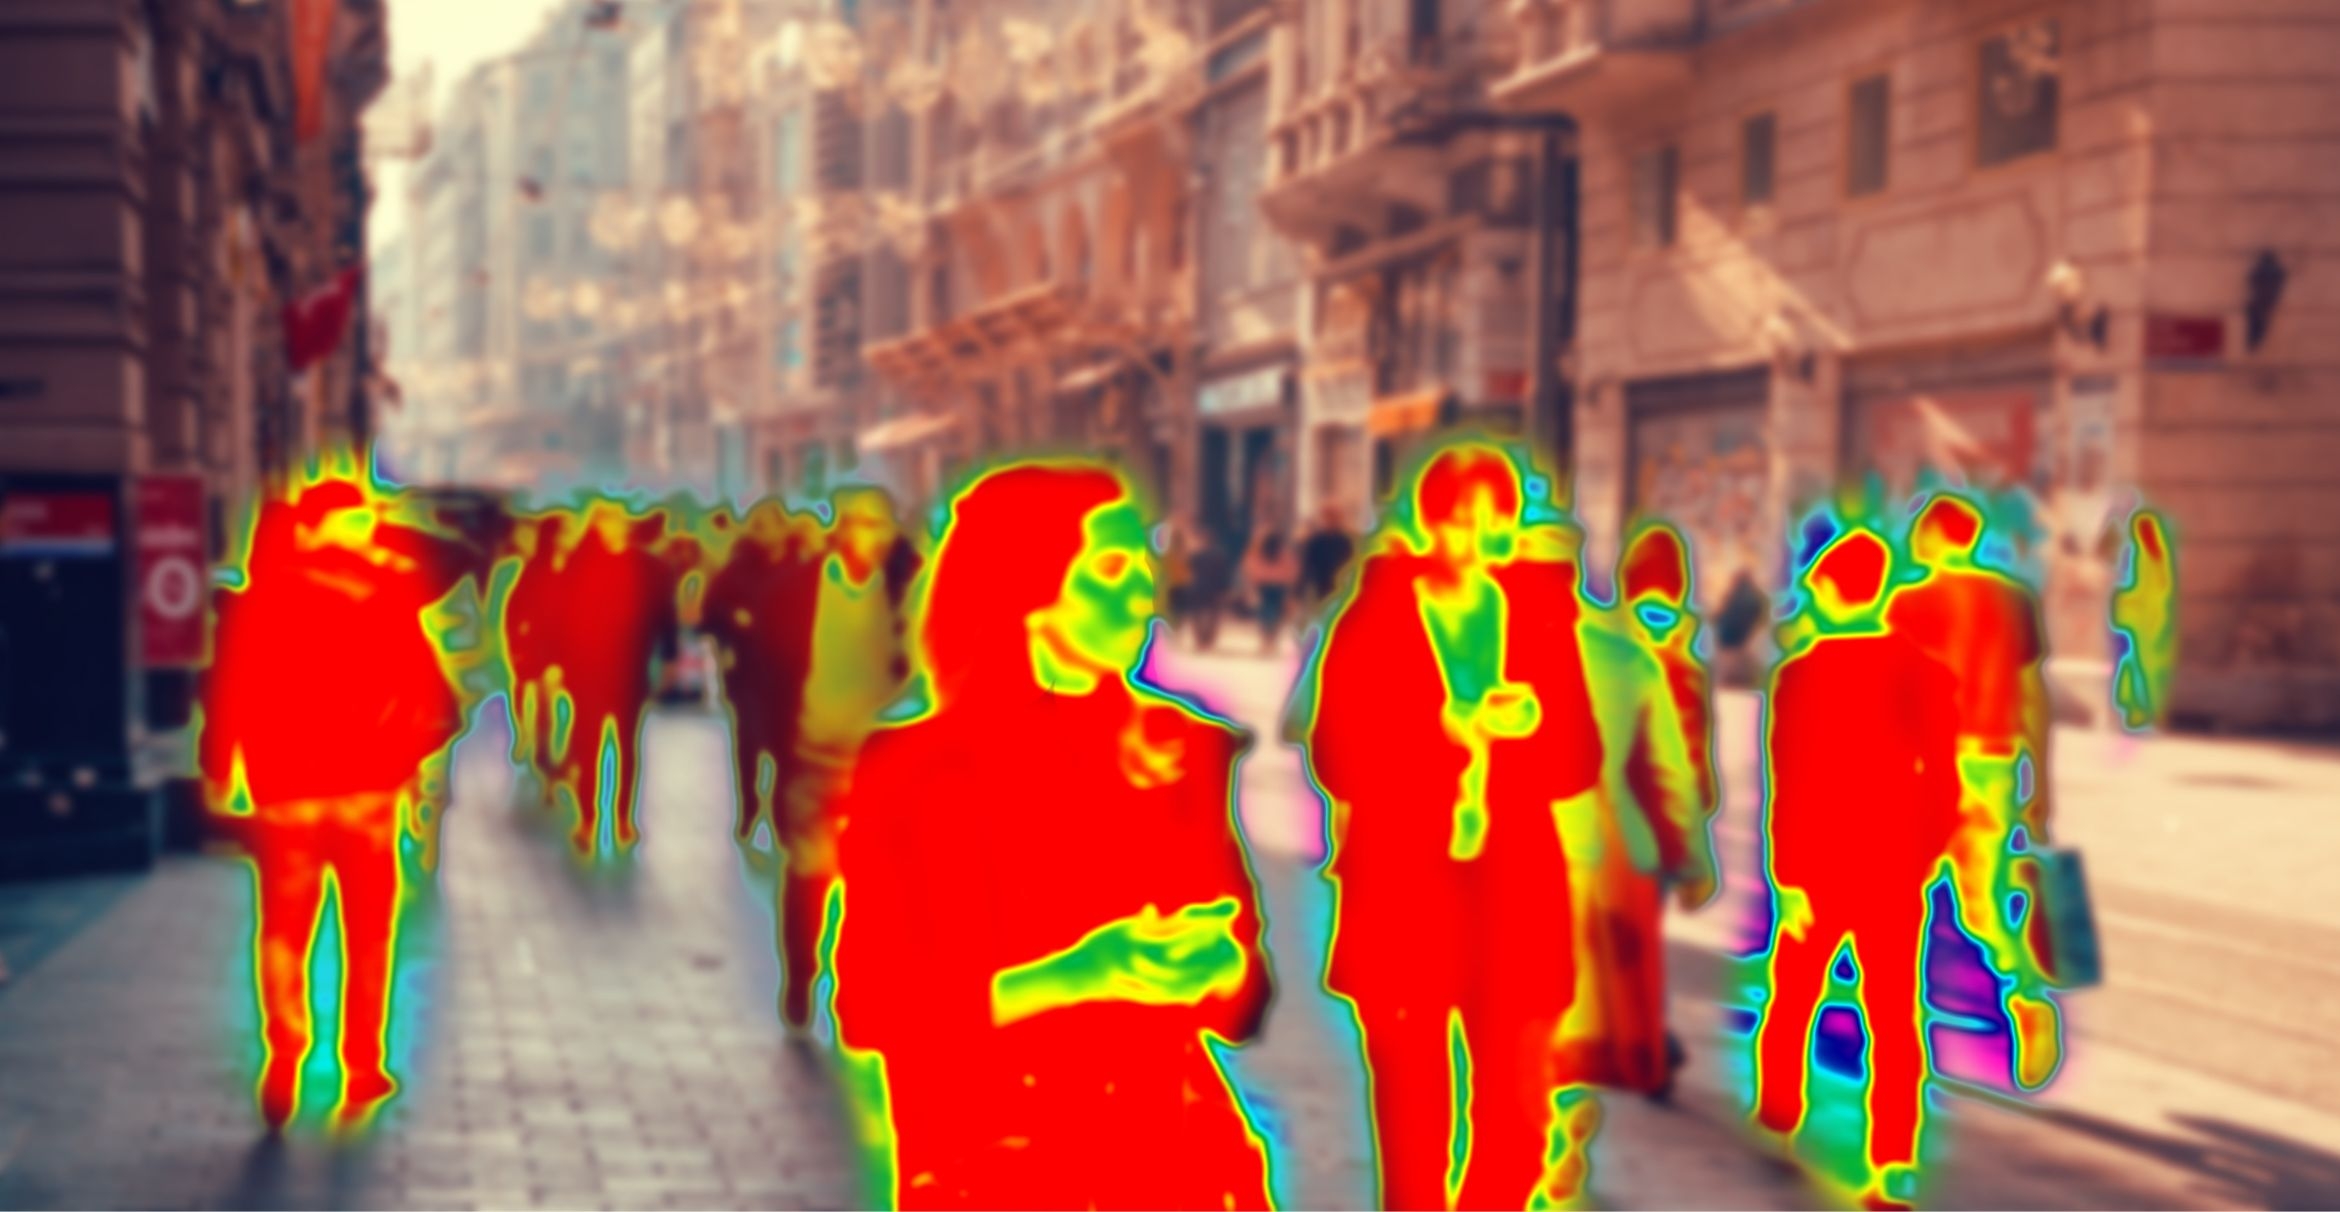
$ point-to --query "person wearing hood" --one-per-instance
(1046, 927)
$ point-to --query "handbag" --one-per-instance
(2063, 925)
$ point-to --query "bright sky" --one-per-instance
(452, 36)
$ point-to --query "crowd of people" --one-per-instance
(1018, 862)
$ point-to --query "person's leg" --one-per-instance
(1783, 1034)
(288, 883)
(804, 900)
(1410, 1092)
(365, 868)
(1511, 1111)
(1892, 1006)
(628, 738)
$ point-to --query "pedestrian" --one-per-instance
(536, 552)
(2144, 621)
(604, 658)
(324, 704)
(1177, 549)
(1448, 715)
(1616, 1034)
(1269, 569)
(1049, 924)
(1324, 558)
(1983, 625)
(1860, 743)
(851, 677)
(758, 607)
(1736, 625)
(1211, 579)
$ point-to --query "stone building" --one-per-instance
(1415, 212)
(160, 210)
(2076, 247)
(1053, 287)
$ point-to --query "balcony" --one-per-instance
(1597, 54)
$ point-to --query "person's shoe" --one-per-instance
(280, 1091)
(2039, 1045)
(362, 1096)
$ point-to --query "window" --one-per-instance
(1758, 148)
(1867, 134)
(2015, 109)
(788, 346)
(788, 153)
(1653, 197)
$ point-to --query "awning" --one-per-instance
(905, 431)
(1408, 413)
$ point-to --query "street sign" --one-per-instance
(171, 580)
(48, 525)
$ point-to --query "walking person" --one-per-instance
(1213, 578)
(324, 705)
(1860, 745)
(1324, 560)
(1049, 926)
(1269, 568)
(1449, 714)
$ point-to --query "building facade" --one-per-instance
(1415, 209)
(2067, 247)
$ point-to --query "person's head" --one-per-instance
(1271, 544)
(1848, 580)
(1656, 568)
(1051, 553)
(1947, 530)
(1467, 497)
(767, 524)
(864, 530)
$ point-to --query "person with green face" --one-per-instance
(1047, 924)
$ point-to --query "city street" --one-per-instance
(610, 1040)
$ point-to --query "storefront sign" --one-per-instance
(1708, 471)
(170, 545)
(51, 525)
(2168, 336)
(1987, 439)
(1241, 393)
(1510, 385)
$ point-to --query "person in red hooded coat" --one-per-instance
(1046, 921)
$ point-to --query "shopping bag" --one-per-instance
(2063, 926)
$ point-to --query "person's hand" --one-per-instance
(1795, 912)
(1697, 891)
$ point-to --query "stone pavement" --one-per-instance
(610, 1041)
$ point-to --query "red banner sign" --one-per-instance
(172, 587)
(38, 524)
(2168, 336)
(312, 49)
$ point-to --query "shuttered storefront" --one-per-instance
(1700, 458)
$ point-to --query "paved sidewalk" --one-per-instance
(610, 1041)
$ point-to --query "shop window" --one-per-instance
(1868, 132)
(2019, 94)
(1758, 154)
(1654, 196)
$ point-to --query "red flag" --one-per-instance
(313, 325)
(312, 47)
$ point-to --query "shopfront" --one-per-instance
(1700, 459)
(1244, 458)
(1975, 416)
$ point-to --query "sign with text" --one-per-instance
(1241, 393)
(2184, 337)
(50, 525)
(171, 583)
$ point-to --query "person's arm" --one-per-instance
(1669, 776)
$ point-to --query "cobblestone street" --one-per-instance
(610, 1040)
